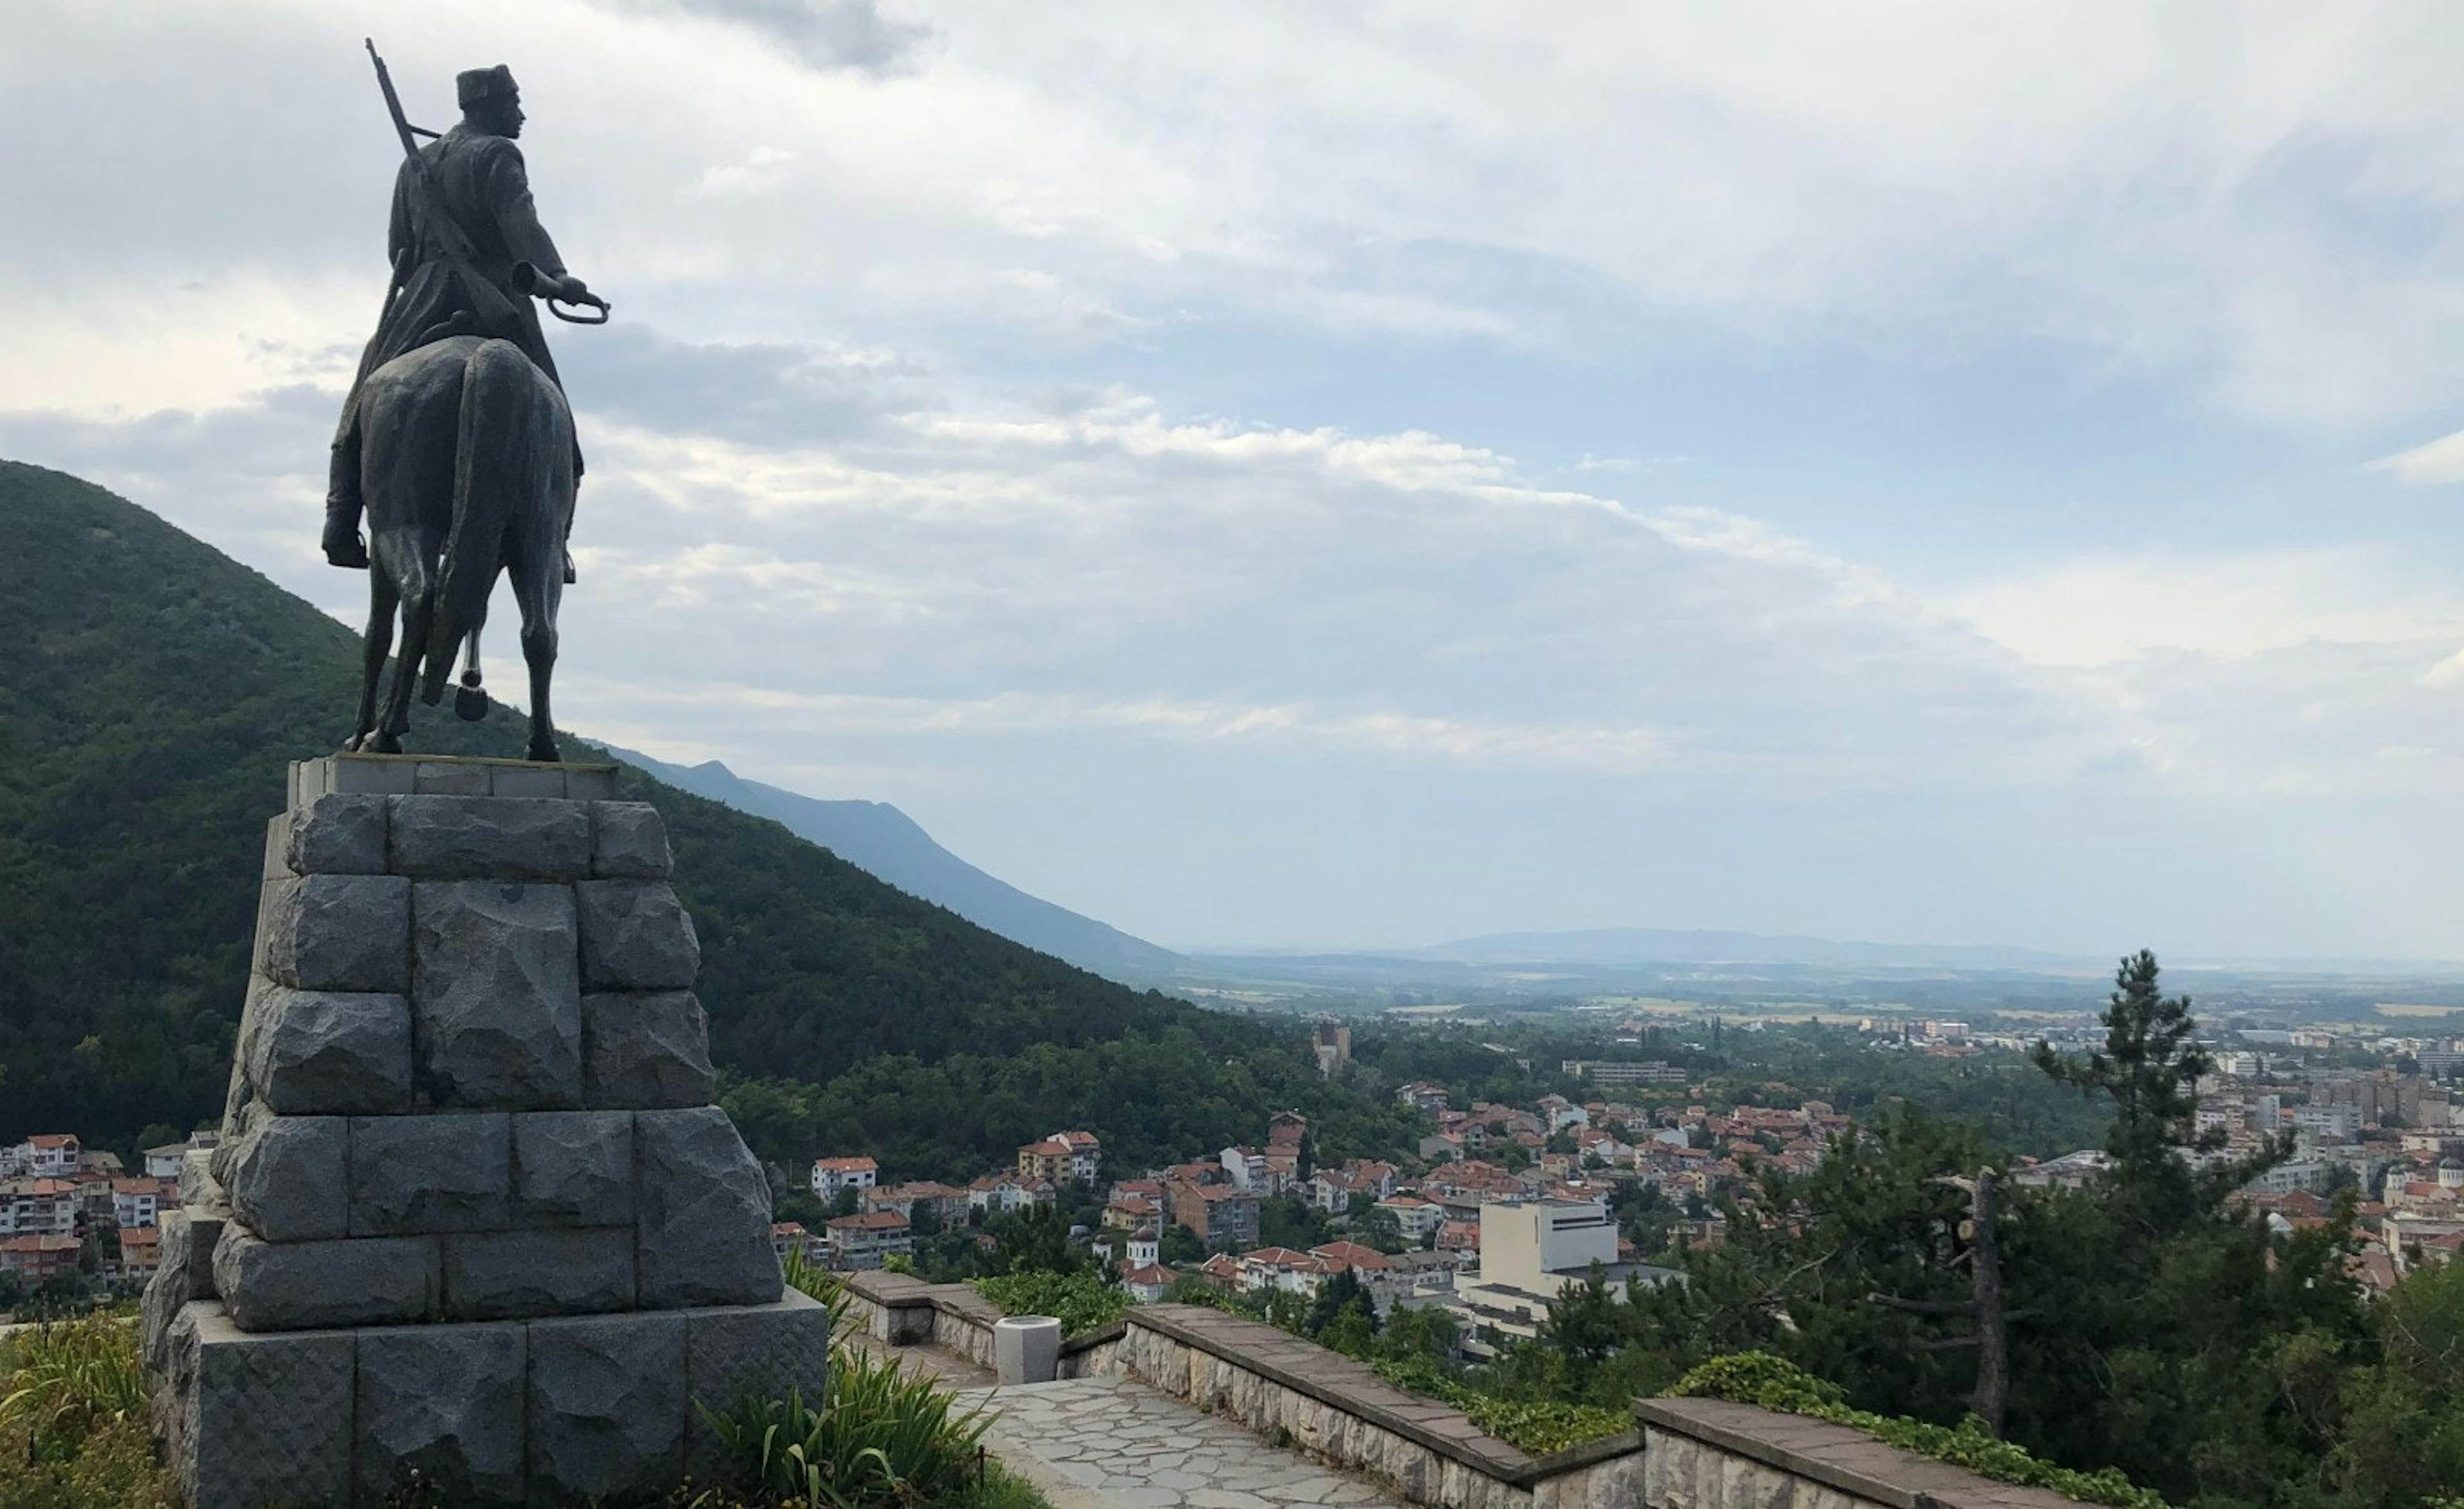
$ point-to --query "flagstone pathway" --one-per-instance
(1120, 1444)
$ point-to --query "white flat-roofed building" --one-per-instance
(1530, 1252)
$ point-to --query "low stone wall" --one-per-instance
(906, 1311)
(1684, 1453)
(1708, 1454)
(1339, 1412)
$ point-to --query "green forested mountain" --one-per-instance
(151, 690)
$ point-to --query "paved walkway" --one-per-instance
(944, 1366)
(1119, 1444)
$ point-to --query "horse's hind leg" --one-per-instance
(417, 614)
(382, 604)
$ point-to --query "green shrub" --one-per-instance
(811, 1278)
(999, 1488)
(881, 1436)
(1538, 1427)
(72, 1420)
(1758, 1378)
(1081, 1302)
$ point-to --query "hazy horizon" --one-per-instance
(1399, 475)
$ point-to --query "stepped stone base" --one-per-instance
(472, 1216)
(535, 1412)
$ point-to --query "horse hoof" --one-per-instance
(470, 704)
(545, 754)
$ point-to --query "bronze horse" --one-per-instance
(467, 463)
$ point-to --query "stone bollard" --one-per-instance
(1026, 1349)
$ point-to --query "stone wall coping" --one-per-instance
(900, 1291)
(1104, 1335)
(1305, 1367)
(1838, 1456)
(1334, 1379)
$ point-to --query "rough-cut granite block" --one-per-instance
(327, 1053)
(288, 1176)
(257, 1420)
(635, 936)
(186, 1272)
(702, 1213)
(607, 1404)
(526, 781)
(497, 1003)
(489, 837)
(442, 1403)
(764, 1350)
(336, 835)
(451, 779)
(277, 848)
(338, 932)
(645, 1050)
(365, 775)
(297, 1286)
(629, 841)
(494, 1276)
(199, 1188)
(590, 782)
(572, 1168)
(451, 1172)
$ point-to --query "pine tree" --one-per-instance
(2151, 1067)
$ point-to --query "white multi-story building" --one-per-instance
(2328, 1123)
(2318, 1176)
(1086, 1156)
(38, 1208)
(1414, 1217)
(863, 1241)
(1247, 1168)
(56, 1156)
(830, 1175)
(138, 1202)
(1652, 1071)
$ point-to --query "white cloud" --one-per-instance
(2098, 612)
(2263, 209)
(2434, 461)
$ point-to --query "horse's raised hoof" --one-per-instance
(470, 704)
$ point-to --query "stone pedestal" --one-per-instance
(473, 1215)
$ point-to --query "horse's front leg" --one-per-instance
(539, 652)
(538, 582)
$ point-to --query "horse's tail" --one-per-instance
(491, 466)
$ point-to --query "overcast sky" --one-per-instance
(1308, 474)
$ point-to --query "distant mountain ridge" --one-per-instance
(878, 837)
(1625, 947)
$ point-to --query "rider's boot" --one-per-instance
(343, 546)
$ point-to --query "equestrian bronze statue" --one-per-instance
(456, 440)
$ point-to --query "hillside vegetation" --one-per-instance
(152, 691)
